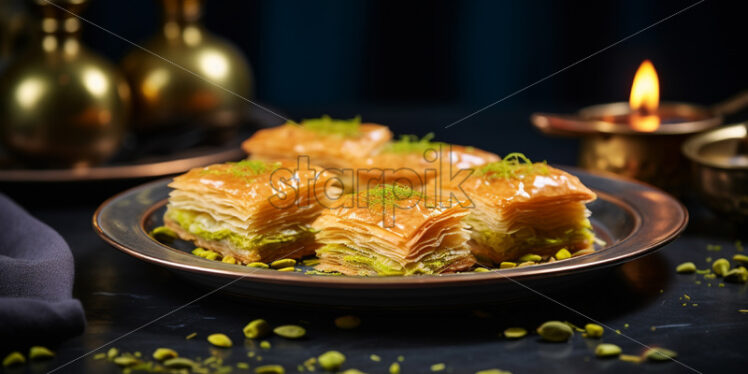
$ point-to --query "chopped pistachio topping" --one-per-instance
(387, 195)
(438, 367)
(743, 259)
(220, 340)
(179, 363)
(507, 265)
(411, 144)
(630, 358)
(283, 263)
(13, 359)
(375, 358)
(607, 350)
(328, 126)
(265, 344)
(493, 371)
(721, 266)
(259, 265)
(163, 234)
(555, 331)
(562, 254)
(191, 336)
(99, 356)
(162, 354)
(331, 360)
(256, 329)
(593, 331)
(686, 268)
(125, 361)
(394, 368)
(513, 165)
(112, 353)
(737, 275)
(290, 331)
(270, 369)
(40, 353)
(530, 257)
(515, 333)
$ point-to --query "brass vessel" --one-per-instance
(60, 104)
(187, 75)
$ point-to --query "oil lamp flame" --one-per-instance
(645, 98)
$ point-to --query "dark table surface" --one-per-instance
(136, 306)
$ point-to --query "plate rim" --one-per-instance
(295, 279)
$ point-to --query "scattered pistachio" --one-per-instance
(574, 327)
(625, 325)
(99, 356)
(163, 234)
(394, 368)
(200, 252)
(112, 353)
(659, 354)
(713, 247)
(738, 246)
(594, 331)
(256, 329)
(493, 371)
(607, 350)
(260, 265)
(229, 260)
(162, 354)
(211, 255)
(283, 263)
(481, 270)
(265, 344)
(400, 358)
(507, 265)
(438, 367)
(515, 333)
(375, 358)
(191, 336)
(125, 361)
(555, 331)
(179, 363)
(743, 259)
(721, 266)
(347, 322)
(40, 353)
(242, 365)
(138, 354)
(562, 254)
(630, 358)
(270, 369)
(353, 371)
(290, 331)
(743, 310)
(737, 275)
(526, 263)
(290, 268)
(220, 340)
(530, 257)
(331, 360)
(311, 261)
(686, 268)
(13, 359)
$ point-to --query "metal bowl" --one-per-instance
(719, 161)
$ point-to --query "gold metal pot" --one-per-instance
(187, 75)
(60, 104)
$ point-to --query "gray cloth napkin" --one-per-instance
(36, 281)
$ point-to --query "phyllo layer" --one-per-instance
(520, 207)
(417, 161)
(251, 210)
(392, 230)
(328, 142)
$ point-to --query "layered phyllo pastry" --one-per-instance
(330, 143)
(415, 162)
(518, 207)
(392, 230)
(250, 210)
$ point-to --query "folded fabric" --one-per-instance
(36, 281)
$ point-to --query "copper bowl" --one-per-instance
(719, 161)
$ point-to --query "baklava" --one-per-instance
(518, 207)
(250, 210)
(392, 230)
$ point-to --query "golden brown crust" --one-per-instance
(289, 141)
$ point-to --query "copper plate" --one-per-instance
(634, 219)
